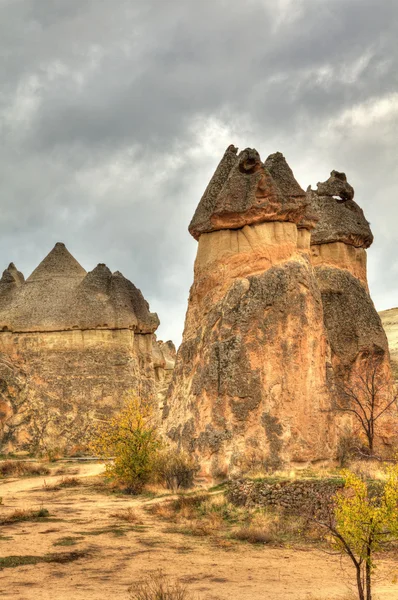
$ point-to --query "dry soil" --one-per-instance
(119, 554)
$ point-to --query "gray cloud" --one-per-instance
(114, 114)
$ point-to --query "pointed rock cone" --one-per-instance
(250, 381)
(58, 263)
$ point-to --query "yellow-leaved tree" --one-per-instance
(131, 439)
(363, 521)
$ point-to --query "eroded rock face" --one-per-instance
(338, 244)
(340, 219)
(245, 191)
(355, 332)
(251, 376)
(389, 319)
(83, 341)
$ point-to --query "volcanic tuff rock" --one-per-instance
(250, 377)
(389, 319)
(245, 191)
(357, 339)
(338, 254)
(77, 343)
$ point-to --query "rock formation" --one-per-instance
(279, 319)
(389, 319)
(338, 254)
(77, 343)
(358, 343)
(250, 377)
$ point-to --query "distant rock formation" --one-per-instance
(250, 377)
(77, 343)
(389, 319)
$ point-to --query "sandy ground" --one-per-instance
(116, 562)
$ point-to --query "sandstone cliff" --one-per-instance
(250, 380)
(72, 344)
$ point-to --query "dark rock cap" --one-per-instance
(340, 219)
(244, 191)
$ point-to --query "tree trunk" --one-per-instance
(361, 595)
(368, 576)
(370, 437)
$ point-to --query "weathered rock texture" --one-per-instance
(359, 347)
(338, 254)
(251, 372)
(279, 314)
(73, 345)
(389, 319)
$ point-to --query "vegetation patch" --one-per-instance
(116, 531)
(213, 516)
(157, 586)
(19, 468)
(68, 541)
(25, 515)
(65, 482)
(9, 562)
(128, 515)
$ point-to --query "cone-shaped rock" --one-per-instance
(60, 295)
(250, 382)
(58, 263)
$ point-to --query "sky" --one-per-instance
(115, 113)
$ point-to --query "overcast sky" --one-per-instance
(115, 113)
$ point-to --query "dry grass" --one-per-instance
(128, 515)
(19, 468)
(211, 515)
(158, 586)
(66, 471)
(65, 482)
(276, 529)
(369, 469)
(25, 515)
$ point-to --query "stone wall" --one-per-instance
(305, 497)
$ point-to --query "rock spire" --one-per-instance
(250, 377)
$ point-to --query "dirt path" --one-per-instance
(121, 553)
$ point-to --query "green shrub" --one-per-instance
(131, 440)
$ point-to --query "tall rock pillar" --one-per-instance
(359, 347)
(250, 380)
